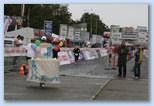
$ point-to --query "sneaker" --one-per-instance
(136, 78)
(118, 76)
(42, 85)
(124, 77)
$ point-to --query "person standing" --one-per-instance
(31, 49)
(18, 41)
(122, 59)
(56, 49)
(138, 61)
(110, 55)
(113, 56)
(76, 52)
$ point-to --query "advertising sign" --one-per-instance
(70, 33)
(77, 34)
(63, 31)
(115, 28)
(48, 27)
(10, 52)
(142, 29)
(12, 23)
(63, 57)
(94, 38)
(86, 37)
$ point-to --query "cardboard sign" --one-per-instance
(43, 70)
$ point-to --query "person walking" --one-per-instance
(122, 59)
(138, 61)
(76, 52)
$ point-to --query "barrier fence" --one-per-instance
(13, 57)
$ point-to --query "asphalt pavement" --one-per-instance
(87, 80)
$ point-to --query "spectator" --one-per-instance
(55, 49)
(31, 49)
(122, 59)
(17, 41)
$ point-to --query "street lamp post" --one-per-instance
(96, 26)
(84, 19)
(22, 10)
(91, 25)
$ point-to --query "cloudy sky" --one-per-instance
(114, 14)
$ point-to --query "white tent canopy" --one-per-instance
(54, 35)
(27, 33)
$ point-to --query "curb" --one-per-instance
(100, 89)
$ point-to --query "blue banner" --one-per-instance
(48, 28)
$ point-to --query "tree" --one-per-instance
(94, 24)
(35, 14)
(12, 10)
(54, 12)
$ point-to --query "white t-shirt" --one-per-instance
(30, 50)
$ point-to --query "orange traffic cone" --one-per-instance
(21, 71)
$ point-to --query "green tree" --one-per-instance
(94, 24)
(12, 9)
(35, 14)
(55, 12)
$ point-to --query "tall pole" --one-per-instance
(84, 20)
(28, 17)
(22, 10)
(96, 26)
(91, 26)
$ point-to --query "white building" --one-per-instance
(142, 33)
(27, 33)
(133, 36)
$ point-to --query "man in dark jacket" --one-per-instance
(76, 52)
(122, 59)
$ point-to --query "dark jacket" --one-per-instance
(137, 56)
(55, 51)
(76, 51)
(122, 55)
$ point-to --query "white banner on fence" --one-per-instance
(43, 70)
(90, 54)
(63, 58)
(14, 52)
(71, 56)
(103, 52)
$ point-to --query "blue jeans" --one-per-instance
(137, 69)
(122, 70)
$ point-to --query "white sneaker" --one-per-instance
(42, 85)
(136, 78)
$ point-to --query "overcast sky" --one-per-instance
(114, 14)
